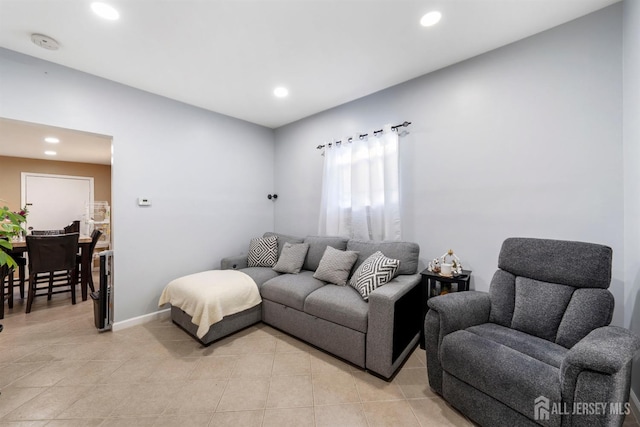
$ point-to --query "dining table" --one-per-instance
(84, 244)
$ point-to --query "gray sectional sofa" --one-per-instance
(377, 335)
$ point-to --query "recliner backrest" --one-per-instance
(553, 289)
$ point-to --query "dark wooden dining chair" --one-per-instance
(4, 272)
(9, 279)
(52, 265)
(95, 236)
(73, 227)
(46, 232)
(22, 266)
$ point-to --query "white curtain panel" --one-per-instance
(360, 188)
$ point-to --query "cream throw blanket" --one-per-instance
(209, 296)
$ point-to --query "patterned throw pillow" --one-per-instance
(291, 258)
(374, 272)
(263, 252)
(335, 266)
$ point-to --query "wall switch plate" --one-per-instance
(143, 201)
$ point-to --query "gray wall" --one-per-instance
(207, 174)
(631, 153)
(525, 140)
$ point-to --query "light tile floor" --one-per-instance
(56, 369)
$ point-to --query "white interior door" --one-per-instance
(54, 201)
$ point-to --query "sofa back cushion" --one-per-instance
(406, 252)
(282, 239)
(552, 289)
(317, 246)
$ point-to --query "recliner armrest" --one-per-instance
(461, 310)
(234, 262)
(598, 369)
(447, 314)
(605, 350)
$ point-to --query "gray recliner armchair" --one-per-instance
(536, 349)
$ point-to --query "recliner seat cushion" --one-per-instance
(291, 289)
(339, 304)
(509, 376)
(538, 348)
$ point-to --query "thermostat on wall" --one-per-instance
(144, 201)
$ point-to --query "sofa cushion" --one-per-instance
(539, 307)
(263, 252)
(291, 289)
(407, 253)
(317, 246)
(507, 375)
(282, 239)
(538, 348)
(291, 258)
(374, 272)
(335, 266)
(338, 304)
(260, 274)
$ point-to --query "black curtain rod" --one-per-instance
(363, 135)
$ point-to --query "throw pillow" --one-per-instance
(291, 258)
(335, 266)
(263, 252)
(374, 272)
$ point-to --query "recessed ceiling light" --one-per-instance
(50, 153)
(281, 92)
(105, 11)
(431, 18)
(51, 140)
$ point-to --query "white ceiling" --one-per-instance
(228, 55)
(23, 139)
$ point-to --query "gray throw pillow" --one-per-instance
(263, 252)
(335, 266)
(291, 258)
(374, 272)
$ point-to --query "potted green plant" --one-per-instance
(10, 227)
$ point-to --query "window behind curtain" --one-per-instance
(360, 188)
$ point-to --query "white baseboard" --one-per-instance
(635, 405)
(141, 320)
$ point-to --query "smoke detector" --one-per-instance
(44, 42)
